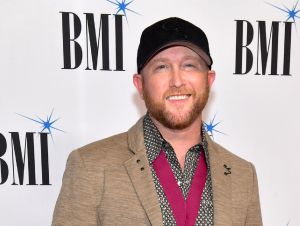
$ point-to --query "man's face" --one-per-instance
(175, 86)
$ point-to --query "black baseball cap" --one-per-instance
(169, 32)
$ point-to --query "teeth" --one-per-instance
(178, 97)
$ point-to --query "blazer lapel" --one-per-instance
(221, 185)
(140, 174)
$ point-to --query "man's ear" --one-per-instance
(211, 75)
(138, 83)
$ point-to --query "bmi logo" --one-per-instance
(28, 163)
(264, 47)
(73, 49)
(87, 39)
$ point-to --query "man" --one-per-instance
(165, 170)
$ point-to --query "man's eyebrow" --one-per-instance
(164, 59)
(196, 58)
(159, 59)
(192, 57)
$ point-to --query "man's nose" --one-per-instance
(176, 78)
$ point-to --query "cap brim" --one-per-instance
(191, 46)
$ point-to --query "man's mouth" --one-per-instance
(178, 97)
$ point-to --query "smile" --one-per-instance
(178, 97)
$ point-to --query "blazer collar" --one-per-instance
(136, 137)
(140, 174)
(221, 184)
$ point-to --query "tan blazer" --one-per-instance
(109, 182)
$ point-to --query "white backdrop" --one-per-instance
(258, 114)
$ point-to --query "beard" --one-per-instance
(178, 118)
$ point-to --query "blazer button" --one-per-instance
(142, 168)
(138, 161)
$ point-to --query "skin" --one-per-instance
(175, 86)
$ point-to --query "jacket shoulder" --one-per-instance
(106, 152)
(228, 155)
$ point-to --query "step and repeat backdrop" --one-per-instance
(66, 80)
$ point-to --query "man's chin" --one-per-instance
(177, 125)
(176, 121)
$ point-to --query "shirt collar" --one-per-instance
(154, 141)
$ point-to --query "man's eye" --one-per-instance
(189, 65)
(161, 66)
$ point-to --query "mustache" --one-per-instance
(178, 91)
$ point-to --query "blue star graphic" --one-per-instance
(122, 7)
(46, 124)
(210, 127)
(291, 13)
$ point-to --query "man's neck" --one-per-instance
(181, 139)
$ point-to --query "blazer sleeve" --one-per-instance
(79, 196)
(253, 217)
